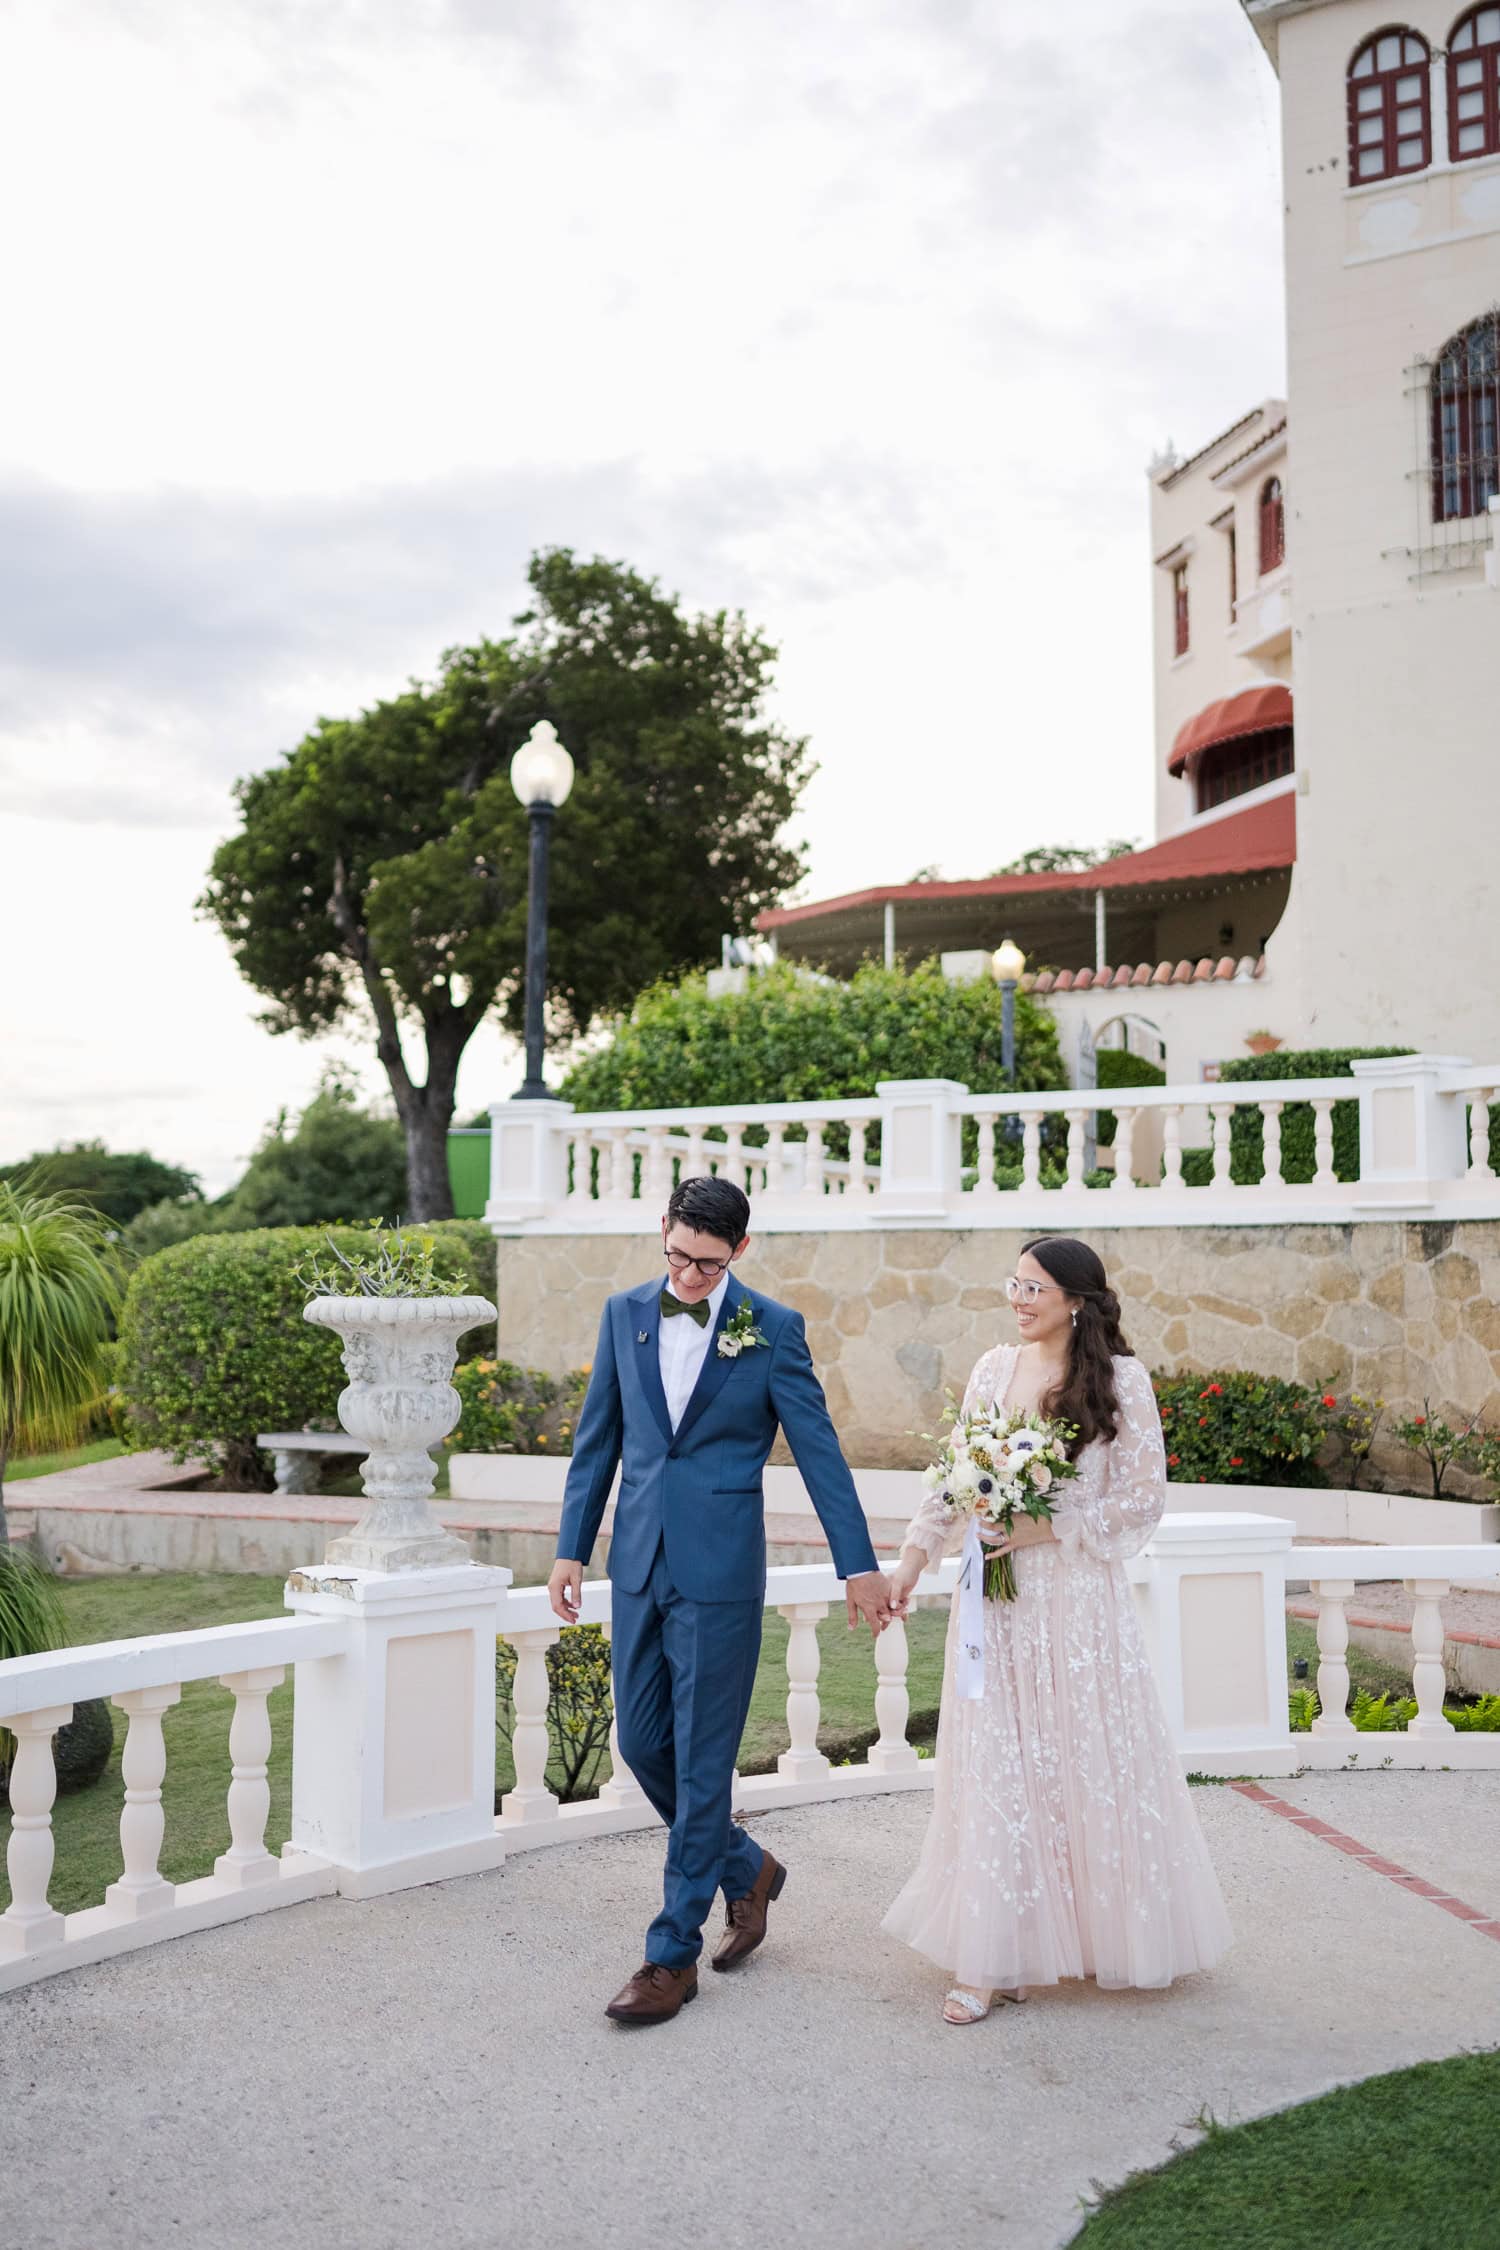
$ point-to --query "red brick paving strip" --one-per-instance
(1475, 1916)
(1394, 1625)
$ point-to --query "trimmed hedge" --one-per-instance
(213, 1345)
(1117, 1068)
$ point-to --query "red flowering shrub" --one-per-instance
(1243, 1429)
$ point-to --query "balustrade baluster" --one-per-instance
(1270, 1144)
(582, 1189)
(1324, 1174)
(892, 1753)
(695, 1163)
(621, 1164)
(247, 1861)
(142, 1889)
(1428, 1675)
(29, 1924)
(1078, 1126)
(1222, 1114)
(657, 1178)
(622, 1792)
(984, 1182)
(1480, 1167)
(804, 1761)
(814, 1180)
(1331, 1595)
(531, 1800)
(1171, 1137)
(734, 1167)
(775, 1157)
(1124, 1178)
(859, 1183)
(1031, 1148)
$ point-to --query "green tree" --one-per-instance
(337, 1162)
(791, 1038)
(118, 1185)
(383, 862)
(1065, 859)
(59, 1291)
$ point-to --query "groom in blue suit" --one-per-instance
(689, 1384)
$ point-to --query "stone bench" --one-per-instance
(296, 1454)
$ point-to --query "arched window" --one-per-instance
(1232, 769)
(1272, 526)
(1466, 421)
(1180, 631)
(1474, 85)
(1390, 107)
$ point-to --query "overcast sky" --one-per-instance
(864, 316)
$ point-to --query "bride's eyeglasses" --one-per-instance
(1026, 1292)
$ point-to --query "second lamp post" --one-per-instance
(541, 774)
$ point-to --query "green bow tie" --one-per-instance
(671, 1305)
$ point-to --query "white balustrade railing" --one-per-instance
(930, 1149)
(394, 1738)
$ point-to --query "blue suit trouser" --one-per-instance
(683, 1672)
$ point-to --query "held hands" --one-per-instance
(868, 1596)
(903, 1579)
(565, 1590)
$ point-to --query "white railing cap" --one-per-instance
(735, 1113)
(1452, 1563)
(75, 1675)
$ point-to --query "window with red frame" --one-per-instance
(1230, 769)
(1179, 611)
(1465, 438)
(1474, 85)
(1390, 107)
(1272, 526)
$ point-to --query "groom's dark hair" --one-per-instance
(711, 1206)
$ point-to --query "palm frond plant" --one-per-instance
(59, 1292)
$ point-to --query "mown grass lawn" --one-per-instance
(1402, 2162)
(86, 1823)
(48, 1464)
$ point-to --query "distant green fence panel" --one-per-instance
(469, 1170)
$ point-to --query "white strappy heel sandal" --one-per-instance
(974, 2009)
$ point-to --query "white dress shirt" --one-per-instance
(684, 1348)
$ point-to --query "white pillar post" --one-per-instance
(1212, 1595)
(393, 1765)
(890, 934)
(1410, 1131)
(920, 1143)
(528, 1158)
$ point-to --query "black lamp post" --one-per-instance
(541, 774)
(1009, 964)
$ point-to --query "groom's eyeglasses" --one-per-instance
(1026, 1292)
(710, 1268)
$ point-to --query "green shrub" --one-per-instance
(1197, 1167)
(579, 1705)
(1230, 1428)
(509, 1409)
(1298, 1157)
(790, 1038)
(1116, 1068)
(213, 1345)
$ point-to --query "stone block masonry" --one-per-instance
(1399, 1310)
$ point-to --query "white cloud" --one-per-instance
(860, 315)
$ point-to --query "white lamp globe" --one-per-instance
(541, 772)
(1008, 962)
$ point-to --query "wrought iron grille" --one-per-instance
(1456, 402)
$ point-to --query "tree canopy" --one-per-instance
(1064, 859)
(381, 866)
(117, 1185)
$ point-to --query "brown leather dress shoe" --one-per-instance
(745, 1918)
(654, 1994)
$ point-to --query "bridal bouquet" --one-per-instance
(996, 1466)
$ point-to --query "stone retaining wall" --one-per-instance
(1396, 1310)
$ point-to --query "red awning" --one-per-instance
(1252, 710)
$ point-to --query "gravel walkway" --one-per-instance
(435, 2066)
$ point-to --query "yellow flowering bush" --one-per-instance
(510, 1409)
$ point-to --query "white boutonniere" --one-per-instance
(740, 1334)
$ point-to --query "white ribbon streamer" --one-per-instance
(970, 1660)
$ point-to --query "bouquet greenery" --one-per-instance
(996, 1466)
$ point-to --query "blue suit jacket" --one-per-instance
(699, 1490)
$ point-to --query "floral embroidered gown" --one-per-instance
(1063, 1840)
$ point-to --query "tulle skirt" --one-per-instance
(1063, 1840)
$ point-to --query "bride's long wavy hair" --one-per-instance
(1086, 1396)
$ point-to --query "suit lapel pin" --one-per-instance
(641, 1336)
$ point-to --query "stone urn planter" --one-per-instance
(398, 1355)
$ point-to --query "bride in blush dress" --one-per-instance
(1063, 1840)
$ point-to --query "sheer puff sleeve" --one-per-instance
(935, 1526)
(1111, 1517)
